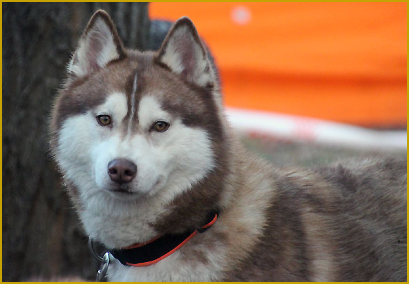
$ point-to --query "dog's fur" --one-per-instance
(340, 223)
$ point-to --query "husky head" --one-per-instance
(139, 136)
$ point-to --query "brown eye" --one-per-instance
(104, 120)
(160, 126)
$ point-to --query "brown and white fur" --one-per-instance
(341, 223)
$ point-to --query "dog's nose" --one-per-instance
(121, 170)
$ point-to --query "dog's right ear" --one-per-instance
(183, 52)
(99, 44)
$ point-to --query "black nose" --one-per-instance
(121, 170)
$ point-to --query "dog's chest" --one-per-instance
(172, 268)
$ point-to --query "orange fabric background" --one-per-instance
(344, 62)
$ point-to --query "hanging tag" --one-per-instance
(104, 268)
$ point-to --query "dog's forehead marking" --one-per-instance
(132, 106)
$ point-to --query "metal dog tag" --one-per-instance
(104, 268)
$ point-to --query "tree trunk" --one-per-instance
(41, 232)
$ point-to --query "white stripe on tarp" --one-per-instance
(315, 130)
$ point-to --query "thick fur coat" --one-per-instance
(161, 112)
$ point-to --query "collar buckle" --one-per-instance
(105, 261)
(102, 272)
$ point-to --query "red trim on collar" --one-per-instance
(210, 223)
(165, 255)
(137, 250)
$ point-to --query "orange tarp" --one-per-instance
(344, 62)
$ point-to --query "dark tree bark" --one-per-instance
(41, 232)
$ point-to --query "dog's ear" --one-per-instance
(183, 52)
(99, 44)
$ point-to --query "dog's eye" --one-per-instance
(104, 120)
(160, 126)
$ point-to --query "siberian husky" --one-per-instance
(160, 179)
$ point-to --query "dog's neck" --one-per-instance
(159, 248)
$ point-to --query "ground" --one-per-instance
(290, 153)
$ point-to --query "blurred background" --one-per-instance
(304, 84)
(342, 62)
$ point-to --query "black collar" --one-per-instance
(159, 248)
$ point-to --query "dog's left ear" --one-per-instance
(183, 52)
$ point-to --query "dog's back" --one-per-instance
(340, 223)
